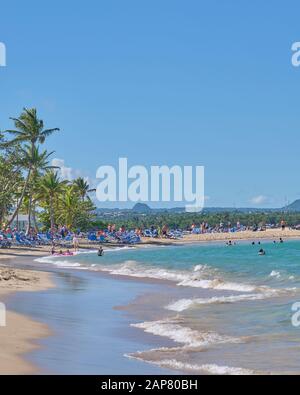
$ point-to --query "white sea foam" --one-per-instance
(182, 278)
(184, 304)
(202, 276)
(57, 261)
(133, 269)
(217, 284)
(276, 274)
(45, 259)
(200, 268)
(184, 366)
(190, 340)
(180, 334)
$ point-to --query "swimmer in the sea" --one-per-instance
(261, 252)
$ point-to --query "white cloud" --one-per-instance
(260, 199)
(66, 173)
(69, 173)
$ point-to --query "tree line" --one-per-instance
(30, 185)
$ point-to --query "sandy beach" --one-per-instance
(20, 331)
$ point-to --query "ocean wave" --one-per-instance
(276, 274)
(133, 269)
(217, 284)
(185, 304)
(281, 276)
(182, 278)
(185, 366)
(180, 334)
(57, 261)
(201, 276)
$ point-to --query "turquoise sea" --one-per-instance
(217, 309)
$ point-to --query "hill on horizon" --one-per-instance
(141, 208)
(295, 206)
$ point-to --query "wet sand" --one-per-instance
(17, 336)
(90, 334)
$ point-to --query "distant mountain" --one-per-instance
(294, 206)
(141, 208)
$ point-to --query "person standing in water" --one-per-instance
(75, 243)
(100, 251)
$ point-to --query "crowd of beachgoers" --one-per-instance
(62, 237)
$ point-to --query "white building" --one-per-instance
(20, 222)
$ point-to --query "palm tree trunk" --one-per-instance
(20, 200)
(33, 213)
(2, 211)
(29, 216)
(51, 213)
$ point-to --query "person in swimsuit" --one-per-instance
(75, 243)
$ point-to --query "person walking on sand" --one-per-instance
(75, 243)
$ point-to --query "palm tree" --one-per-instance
(69, 206)
(33, 161)
(51, 186)
(28, 129)
(39, 163)
(21, 192)
(82, 187)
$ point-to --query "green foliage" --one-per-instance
(185, 220)
(29, 183)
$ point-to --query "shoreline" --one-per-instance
(269, 234)
(19, 335)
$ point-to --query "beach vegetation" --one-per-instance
(31, 185)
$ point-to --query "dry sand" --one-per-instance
(16, 338)
(19, 252)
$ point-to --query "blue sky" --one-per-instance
(163, 82)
